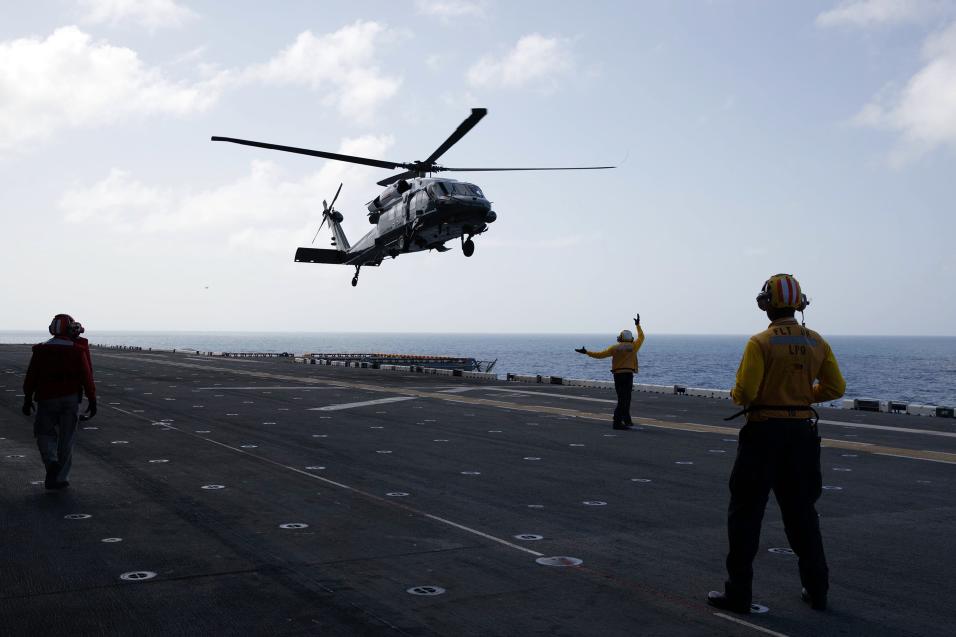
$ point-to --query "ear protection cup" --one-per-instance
(764, 298)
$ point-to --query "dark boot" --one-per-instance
(721, 601)
(52, 470)
(816, 602)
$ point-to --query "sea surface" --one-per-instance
(905, 368)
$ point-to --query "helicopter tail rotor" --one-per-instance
(329, 212)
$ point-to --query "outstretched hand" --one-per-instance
(637, 320)
(581, 350)
(28, 407)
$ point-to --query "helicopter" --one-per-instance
(415, 212)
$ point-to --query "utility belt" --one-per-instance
(792, 410)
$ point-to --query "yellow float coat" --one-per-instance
(787, 365)
(623, 355)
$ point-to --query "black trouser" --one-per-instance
(624, 386)
(783, 455)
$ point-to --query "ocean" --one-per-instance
(905, 368)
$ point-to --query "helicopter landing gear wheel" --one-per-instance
(355, 278)
(468, 247)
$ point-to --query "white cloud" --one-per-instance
(116, 200)
(923, 111)
(261, 210)
(448, 9)
(869, 13)
(151, 14)
(341, 64)
(534, 60)
(69, 80)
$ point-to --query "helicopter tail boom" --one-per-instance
(317, 255)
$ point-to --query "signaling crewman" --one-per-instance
(58, 372)
(784, 370)
(623, 355)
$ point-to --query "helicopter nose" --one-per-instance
(490, 216)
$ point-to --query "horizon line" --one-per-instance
(452, 333)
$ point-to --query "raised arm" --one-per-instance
(640, 336)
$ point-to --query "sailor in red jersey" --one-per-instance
(59, 370)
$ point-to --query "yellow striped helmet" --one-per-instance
(780, 291)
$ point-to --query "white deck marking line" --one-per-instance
(265, 387)
(749, 625)
(908, 430)
(459, 390)
(541, 393)
(561, 411)
(341, 485)
(364, 403)
(896, 455)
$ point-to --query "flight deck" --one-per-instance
(263, 497)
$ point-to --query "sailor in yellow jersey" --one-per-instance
(784, 370)
(623, 355)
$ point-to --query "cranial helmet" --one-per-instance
(782, 291)
(62, 325)
(625, 336)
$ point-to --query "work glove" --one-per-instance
(28, 407)
(637, 320)
(581, 351)
(90, 410)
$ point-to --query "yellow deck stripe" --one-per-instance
(916, 454)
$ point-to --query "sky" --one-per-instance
(751, 137)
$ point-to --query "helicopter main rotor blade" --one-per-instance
(378, 163)
(388, 181)
(461, 131)
(467, 170)
(332, 205)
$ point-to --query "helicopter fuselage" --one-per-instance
(421, 214)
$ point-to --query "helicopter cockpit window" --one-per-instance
(467, 190)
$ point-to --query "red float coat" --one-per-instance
(84, 345)
(58, 368)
